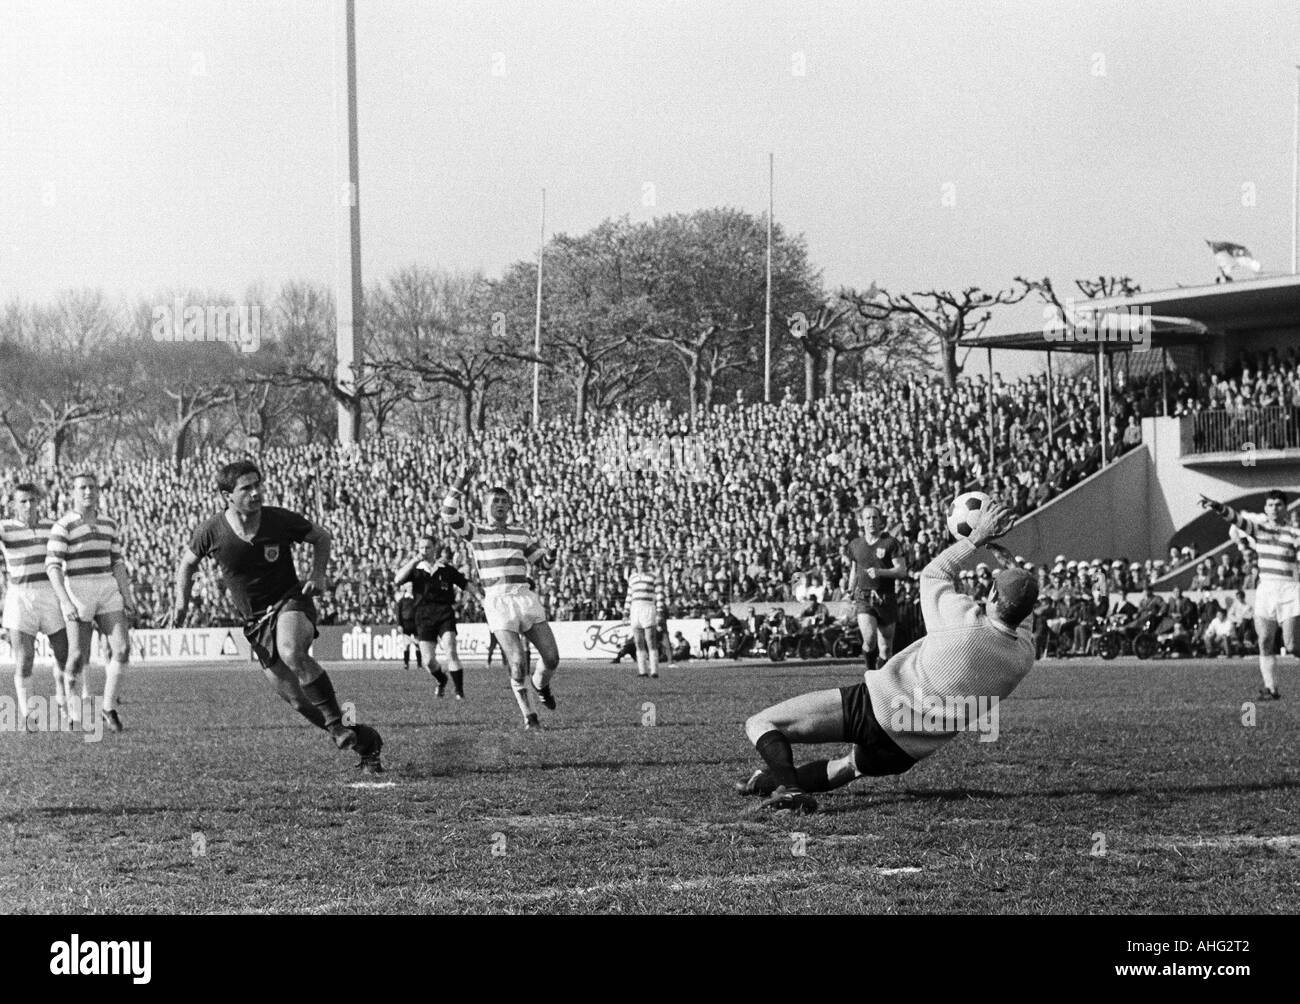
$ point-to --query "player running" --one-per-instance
(503, 553)
(972, 655)
(253, 544)
(435, 580)
(1277, 598)
(645, 605)
(878, 561)
(84, 562)
(30, 604)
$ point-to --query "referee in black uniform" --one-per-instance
(434, 580)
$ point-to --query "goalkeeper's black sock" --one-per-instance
(813, 776)
(321, 693)
(419, 659)
(458, 680)
(774, 748)
(440, 676)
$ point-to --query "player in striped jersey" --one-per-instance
(503, 553)
(84, 562)
(30, 604)
(1277, 599)
(645, 605)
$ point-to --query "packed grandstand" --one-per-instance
(752, 505)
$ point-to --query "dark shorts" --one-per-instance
(260, 629)
(431, 624)
(407, 628)
(875, 753)
(885, 612)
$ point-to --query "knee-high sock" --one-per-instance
(321, 693)
(291, 693)
(1266, 664)
(640, 663)
(458, 680)
(523, 698)
(654, 662)
(113, 673)
(774, 748)
(20, 689)
(814, 776)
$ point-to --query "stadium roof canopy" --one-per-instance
(1186, 315)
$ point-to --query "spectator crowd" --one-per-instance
(754, 504)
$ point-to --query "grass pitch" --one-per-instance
(1113, 788)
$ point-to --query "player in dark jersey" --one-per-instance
(435, 580)
(253, 544)
(878, 562)
(406, 622)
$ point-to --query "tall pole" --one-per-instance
(1101, 397)
(1295, 174)
(767, 324)
(1051, 416)
(992, 455)
(537, 323)
(348, 301)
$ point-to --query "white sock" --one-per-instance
(1266, 663)
(654, 662)
(112, 682)
(640, 663)
(523, 698)
(20, 688)
(542, 676)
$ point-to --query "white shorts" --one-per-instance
(516, 608)
(94, 595)
(32, 608)
(1277, 600)
(643, 614)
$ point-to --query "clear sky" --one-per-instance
(148, 145)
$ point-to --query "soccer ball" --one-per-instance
(964, 512)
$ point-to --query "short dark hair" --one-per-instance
(88, 475)
(229, 475)
(497, 491)
(28, 487)
(1276, 493)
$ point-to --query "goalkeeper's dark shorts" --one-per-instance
(875, 753)
(260, 628)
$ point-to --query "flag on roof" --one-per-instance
(1229, 256)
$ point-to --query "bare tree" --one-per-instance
(438, 328)
(951, 316)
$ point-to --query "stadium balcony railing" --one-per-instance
(1231, 430)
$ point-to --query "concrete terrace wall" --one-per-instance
(1102, 517)
(1133, 508)
(1176, 487)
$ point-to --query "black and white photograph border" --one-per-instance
(588, 458)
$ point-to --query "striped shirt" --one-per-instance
(502, 554)
(645, 587)
(24, 550)
(1275, 544)
(83, 547)
(963, 657)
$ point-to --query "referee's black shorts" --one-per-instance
(432, 622)
(875, 753)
